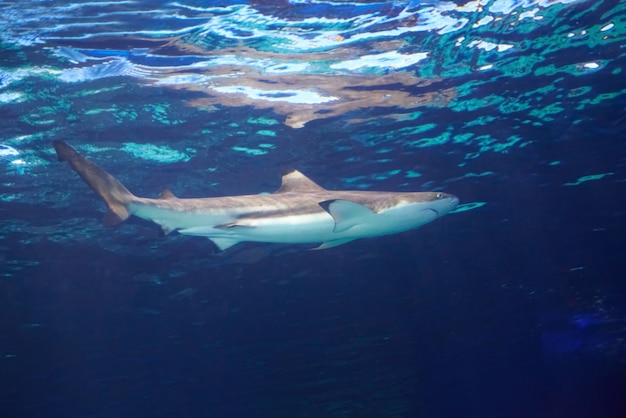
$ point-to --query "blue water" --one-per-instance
(513, 306)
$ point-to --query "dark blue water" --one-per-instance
(513, 306)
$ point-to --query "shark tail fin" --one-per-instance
(115, 195)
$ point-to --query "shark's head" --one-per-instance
(416, 209)
(438, 202)
(391, 213)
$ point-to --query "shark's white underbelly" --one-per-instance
(310, 228)
(228, 227)
(313, 227)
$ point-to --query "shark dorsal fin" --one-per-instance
(166, 194)
(298, 182)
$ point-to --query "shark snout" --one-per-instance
(453, 201)
(444, 204)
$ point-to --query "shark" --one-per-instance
(299, 212)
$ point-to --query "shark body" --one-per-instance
(299, 212)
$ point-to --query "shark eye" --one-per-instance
(439, 195)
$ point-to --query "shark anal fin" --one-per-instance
(166, 194)
(224, 243)
(333, 243)
(166, 230)
(346, 213)
(111, 218)
(298, 182)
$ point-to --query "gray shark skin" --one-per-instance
(299, 212)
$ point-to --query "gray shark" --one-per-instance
(299, 212)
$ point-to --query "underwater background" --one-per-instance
(514, 305)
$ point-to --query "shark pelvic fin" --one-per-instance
(222, 243)
(346, 214)
(298, 182)
(333, 243)
(115, 195)
(232, 225)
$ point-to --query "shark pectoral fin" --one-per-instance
(346, 214)
(333, 243)
(224, 243)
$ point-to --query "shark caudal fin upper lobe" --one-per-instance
(115, 195)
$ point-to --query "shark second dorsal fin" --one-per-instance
(166, 194)
(298, 182)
